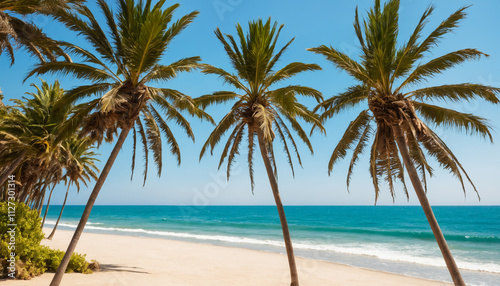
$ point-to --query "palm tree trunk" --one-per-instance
(39, 204)
(88, 208)
(422, 197)
(60, 214)
(284, 225)
(11, 169)
(48, 204)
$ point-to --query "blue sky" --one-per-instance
(312, 24)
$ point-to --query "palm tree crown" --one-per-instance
(124, 63)
(259, 108)
(386, 74)
(29, 133)
(17, 31)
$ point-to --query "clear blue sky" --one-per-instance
(315, 23)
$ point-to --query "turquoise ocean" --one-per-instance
(394, 239)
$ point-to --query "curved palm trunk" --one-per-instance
(88, 208)
(422, 197)
(11, 169)
(48, 204)
(39, 203)
(51, 235)
(284, 225)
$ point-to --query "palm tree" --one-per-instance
(79, 161)
(386, 73)
(27, 141)
(123, 62)
(17, 31)
(259, 109)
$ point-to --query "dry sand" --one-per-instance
(144, 261)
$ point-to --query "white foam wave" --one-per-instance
(374, 250)
(53, 222)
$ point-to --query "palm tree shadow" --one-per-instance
(121, 268)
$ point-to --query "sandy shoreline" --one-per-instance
(128, 260)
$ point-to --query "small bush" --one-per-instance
(31, 258)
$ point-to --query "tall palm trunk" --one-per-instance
(284, 225)
(88, 208)
(48, 204)
(422, 197)
(11, 168)
(60, 214)
(39, 203)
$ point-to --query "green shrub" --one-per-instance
(31, 258)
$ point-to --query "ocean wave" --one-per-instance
(425, 235)
(53, 222)
(373, 250)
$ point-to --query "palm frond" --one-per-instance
(445, 27)
(145, 147)
(458, 163)
(229, 143)
(438, 65)
(445, 117)
(80, 71)
(163, 73)
(457, 92)
(154, 137)
(174, 146)
(285, 147)
(286, 131)
(358, 150)
(134, 148)
(405, 57)
(215, 98)
(214, 138)
(265, 118)
(352, 133)
(181, 101)
(251, 138)
(234, 149)
(343, 62)
(293, 90)
(225, 76)
(289, 71)
(173, 114)
(349, 99)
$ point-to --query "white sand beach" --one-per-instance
(128, 261)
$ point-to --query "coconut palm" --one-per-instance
(397, 116)
(259, 109)
(17, 31)
(79, 161)
(120, 66)
(27, 141)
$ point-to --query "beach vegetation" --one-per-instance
(31, 148)
(24, 241)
